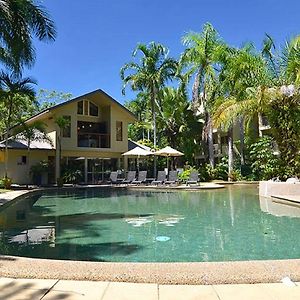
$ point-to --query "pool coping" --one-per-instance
(258, 271)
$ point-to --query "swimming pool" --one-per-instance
(120, 225)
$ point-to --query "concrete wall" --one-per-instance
(20, 172)
(270, 188)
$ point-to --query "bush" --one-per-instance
(265, 164)
(184, 176)
(6, 182)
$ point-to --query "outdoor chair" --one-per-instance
(161, 178)
(142, 176)
(130, 177)
(172, 178)
(113, 177)
(193, 178)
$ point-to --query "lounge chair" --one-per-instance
(113, 177)
(141, 178)
(172, 178)
(194, 178)
(130, 177)
(292, 180)
(161, 178)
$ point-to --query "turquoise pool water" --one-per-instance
(136, 226)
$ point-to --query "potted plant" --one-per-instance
(38, 170)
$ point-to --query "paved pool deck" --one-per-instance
(38, 289)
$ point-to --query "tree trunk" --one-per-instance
(154, 127)
(210, 141)
(7, 124)
(230, 153)
(260, 124)
(28, 166)
(196, 86)
(242, 140)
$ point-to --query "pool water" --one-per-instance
(119, 225)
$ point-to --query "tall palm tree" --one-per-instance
(15, 95)
(20, 21)
(149, 74)
(270, 87)
(200, 57)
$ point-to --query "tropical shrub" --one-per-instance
(37, 170)
(265, 164)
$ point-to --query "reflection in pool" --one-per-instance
(136, 226)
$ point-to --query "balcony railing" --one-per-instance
(93, 140)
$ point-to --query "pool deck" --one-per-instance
(38, 289)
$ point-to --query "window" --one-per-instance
(22, 160)
(80, 108)
(119, 131)
(66, 131)
(93, 110)
(87, 108)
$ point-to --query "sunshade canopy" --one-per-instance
(137, 151)
(168, 151)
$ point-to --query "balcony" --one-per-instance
(93, 140)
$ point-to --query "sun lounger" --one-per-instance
(161, 178)
(194, 178)
(113, 178)
(130, 177)
(172, 178)
(141, 178)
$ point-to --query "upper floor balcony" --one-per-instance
(93, 135)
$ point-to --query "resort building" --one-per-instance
(93, 140)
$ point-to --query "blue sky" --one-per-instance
(96, 37)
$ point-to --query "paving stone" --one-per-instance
(242, 292)
(24, 289)
(281, 291)
(77, 290)
(187, 292)
(131, 291)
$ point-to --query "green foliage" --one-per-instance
(265, 164)
(21, 22)
(72, 175)
(284, 118)
(46, 99)
(6, 182)
(37, 170)
(184, 176)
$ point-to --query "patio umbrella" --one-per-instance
(137, 152)
(167, 152)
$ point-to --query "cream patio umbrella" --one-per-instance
(137, 152)
(167, 152)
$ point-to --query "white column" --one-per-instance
(85, 170)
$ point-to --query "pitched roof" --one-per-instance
(20, 143)
(78, 98)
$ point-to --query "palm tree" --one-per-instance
(15, 95)
(140, 108)
(62, 123)
(20, 21)
(35, 131)
(171, 113)
(268, 85)
(242, 69)
(149, 74)
(200, 57)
